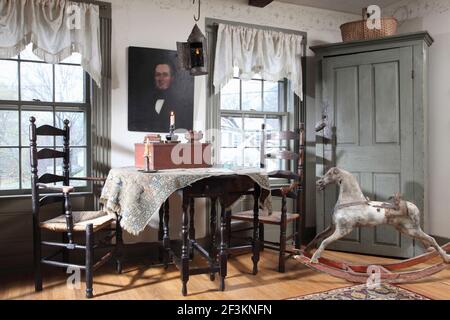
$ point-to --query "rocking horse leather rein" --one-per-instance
(350, 204)
(396, 205)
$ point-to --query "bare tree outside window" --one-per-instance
(50, 93)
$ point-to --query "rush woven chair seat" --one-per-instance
(293, 190)
(67, 222)
(81, 219)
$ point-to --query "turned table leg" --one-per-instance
(160, 234)
(256, 243)
(223, 255)
(165, 237)
(213, 229)
(185, 246)
(191, 226)
(228, 227)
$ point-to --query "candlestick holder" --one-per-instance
(171, 137)
(147, 162)
(147, 165)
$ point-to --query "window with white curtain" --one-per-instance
(50, 93)
(256, 73)
(244, 107)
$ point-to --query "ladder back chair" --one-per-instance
(295, 191)
(68, 223)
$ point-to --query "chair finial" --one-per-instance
(32, 119)
(66, 122)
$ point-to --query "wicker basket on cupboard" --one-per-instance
(358, 30)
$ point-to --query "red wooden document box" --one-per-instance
(173, 155)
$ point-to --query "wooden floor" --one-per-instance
(142, 281)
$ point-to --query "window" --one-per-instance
(244, 107)
(50, 93)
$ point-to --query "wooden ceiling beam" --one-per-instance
(259, 3)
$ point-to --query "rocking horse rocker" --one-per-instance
(353, 210)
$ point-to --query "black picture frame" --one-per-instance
(155, 88)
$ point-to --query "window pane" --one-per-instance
(251, 157)
(74, 58)
(9, 128)
(77, 127)
(44, 166)
(271, 96)
(9, 170)
(251, 95)
(9, 88)
(231, 133)
(273, 125)
(229, 95)
(42, 117)
(36, 81)
(252, 131)
(69, 83)
(77, 165)
(28, 54)
(231, 157)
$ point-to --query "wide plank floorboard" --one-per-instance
(140, 280)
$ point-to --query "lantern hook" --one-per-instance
(197, 18)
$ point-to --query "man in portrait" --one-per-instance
(155, 89)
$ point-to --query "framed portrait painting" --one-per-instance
(155, 88)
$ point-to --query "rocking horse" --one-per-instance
(353, 210)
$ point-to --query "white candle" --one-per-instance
(172, 118)
(146, 148)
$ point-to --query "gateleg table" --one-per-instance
(141, 199)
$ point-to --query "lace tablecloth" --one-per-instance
(137, 196)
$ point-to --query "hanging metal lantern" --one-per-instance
(192, 55)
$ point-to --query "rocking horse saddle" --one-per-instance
(395, 207)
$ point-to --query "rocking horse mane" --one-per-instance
(349, 188)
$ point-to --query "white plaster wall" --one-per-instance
(160, 23)
(434, 17)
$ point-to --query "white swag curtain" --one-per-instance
(272, 54)
(57, 28)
